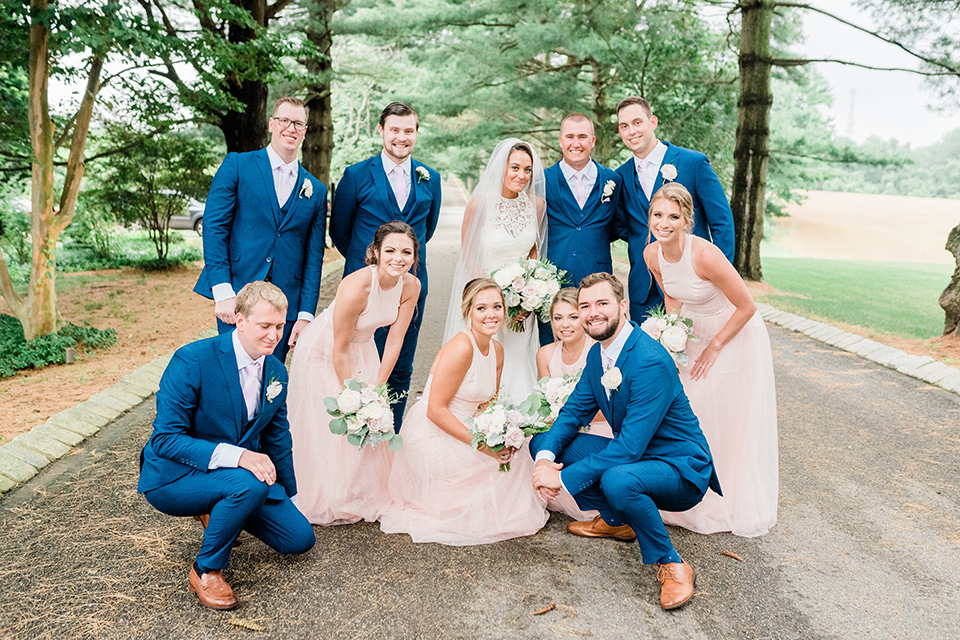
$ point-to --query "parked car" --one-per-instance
(193, 219)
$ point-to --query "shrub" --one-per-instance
(17, 354)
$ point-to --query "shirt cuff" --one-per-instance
(562, 483)
(225, 456)
(295, 499)
(223, 291)
(545, 455)
(305, 315)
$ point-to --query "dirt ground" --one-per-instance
(152, 313)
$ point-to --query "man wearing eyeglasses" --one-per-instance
(265, 219)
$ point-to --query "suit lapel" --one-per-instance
(412, 194)
(566, 201)
(384, 188)
(267, 408)
(228, 364)
(617, 398)
(263, 163)
(670, 157)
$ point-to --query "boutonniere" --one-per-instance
(611, 379)
(422, 174)
(669, 172)
(608, 188)
(273, 388)
(307, 189)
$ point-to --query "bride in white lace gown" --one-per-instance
(504, 222)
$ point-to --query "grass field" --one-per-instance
(898, 298)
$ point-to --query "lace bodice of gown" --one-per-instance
(382, 308)
(681, 282)
(510, 232)
(478, 386)
(558, 368)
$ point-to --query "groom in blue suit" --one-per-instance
(653, 163)
(582, 197)
(265, 219)
(389, 186)
(658, 457)
(221, 448)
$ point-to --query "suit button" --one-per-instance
(278, 235)
(578, 228)
(269, 259)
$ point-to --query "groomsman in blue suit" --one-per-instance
(653, 163)
(265, 219)
(221, 447)
(582, 199)
(389, 186)
(658, 457)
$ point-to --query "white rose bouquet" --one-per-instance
(528, 286)
(499, 426)
(362, 412)
(672, 331)
(548, 397)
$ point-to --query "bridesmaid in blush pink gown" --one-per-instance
(572, 345)
(337, 483)
(443, 490)
(729, 377)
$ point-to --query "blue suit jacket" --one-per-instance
(712, 218)
(578, 240)
(649, 414)
(200, 404)
(364, 200)
(245, 236)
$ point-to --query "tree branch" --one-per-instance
(799, 62)
(275, 8)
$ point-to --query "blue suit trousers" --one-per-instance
(236, 501)
(632, 494)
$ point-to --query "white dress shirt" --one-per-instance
(648, 167)
(584, 179)
(399, 184)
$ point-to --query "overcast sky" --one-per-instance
(884, 103)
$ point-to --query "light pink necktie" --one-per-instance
(581, 189)
(251, 388)
(607, 361)
(286, 184)
(399, 184)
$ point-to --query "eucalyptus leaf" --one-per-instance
(338, 426)
(395, 442)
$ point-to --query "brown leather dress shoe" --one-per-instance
(676, 584)
(597, 528)
(212, 589)
(203, 519)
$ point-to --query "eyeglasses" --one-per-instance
(286, 122)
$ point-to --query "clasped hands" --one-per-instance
(546, 479)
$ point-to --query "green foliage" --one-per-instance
(894, 298)
(96, 228)
(17, 354)
(15, 223)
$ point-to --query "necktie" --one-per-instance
(286, 183)
(607, 361)
(251, 388)
(644, 173)
(399, 183)
(581, 182)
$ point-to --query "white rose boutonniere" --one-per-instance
(611, 379)
(306, 190)
(669, 172)
(608, 188)
(422, 174)
(273, 389)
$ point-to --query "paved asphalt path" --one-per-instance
(867, 544)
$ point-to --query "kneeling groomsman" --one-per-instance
(658, 457)
(221, 448)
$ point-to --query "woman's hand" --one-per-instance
(521, 317)
(703, 363)
(503, 456)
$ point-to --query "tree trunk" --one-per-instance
(246, 130)
(748, 200)
(318, 141)
(605, 131)
(950, 298)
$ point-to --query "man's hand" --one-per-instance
(546, 479)
(260, 465)
(226, 310)
(295, 332)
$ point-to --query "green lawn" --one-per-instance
(898, 298)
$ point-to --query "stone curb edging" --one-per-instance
(28, 453)
(922, 368)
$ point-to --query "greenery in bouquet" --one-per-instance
(528, 287)
(502, 425)
(362, 412)
(548, 397)
(672, 330)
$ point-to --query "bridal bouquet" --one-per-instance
(529, 286)
(672, 331)
(500, 426)
(362, 411)
(548, 397)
